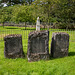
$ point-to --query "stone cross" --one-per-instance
(38, 24)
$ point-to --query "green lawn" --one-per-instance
(21, 66)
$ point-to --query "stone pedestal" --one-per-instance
(60, 44)
(13, 46)
(38, 45)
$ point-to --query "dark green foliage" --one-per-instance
(49, 11)
(13, 2)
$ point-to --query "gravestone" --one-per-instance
(59, 44)
(38, 45)
(13, 46)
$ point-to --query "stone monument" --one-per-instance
(38, 24)
(38, 44)
(59, 44)
(13, 46)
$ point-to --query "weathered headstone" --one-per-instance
(13, 46)
(59, 44)
(38, 45)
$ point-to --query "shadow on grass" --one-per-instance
(11, 28)
(71, 54)
(27, 29)
(34, 29)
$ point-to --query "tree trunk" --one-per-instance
(44, 26)
(25, 25)
(3, 24)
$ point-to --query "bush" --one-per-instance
(64, 26)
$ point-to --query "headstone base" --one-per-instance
(37, 57)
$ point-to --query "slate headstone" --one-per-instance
(13, 46)
(38, 45)
(59, 44)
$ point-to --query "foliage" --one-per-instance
(49, 11)
(13, 2)
(5, 14)
(22, 14)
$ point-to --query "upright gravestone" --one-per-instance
(13, 46)
(60, 44)
(38, 44)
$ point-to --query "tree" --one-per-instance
(22, 14)
(65, 11)
(13, 2)
(5, 14)
(56, 10)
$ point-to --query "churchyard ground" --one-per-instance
(21, 66)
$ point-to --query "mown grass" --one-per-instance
(20, 66)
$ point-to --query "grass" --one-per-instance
(20, 66)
